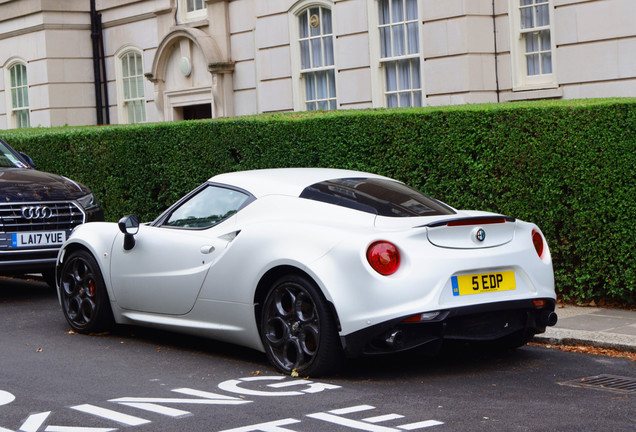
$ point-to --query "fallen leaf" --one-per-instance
(590, 350)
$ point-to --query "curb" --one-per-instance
(612, 341)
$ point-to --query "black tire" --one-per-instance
(298, 329)
(83, 294)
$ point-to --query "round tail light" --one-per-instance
(537, 241)
(383, 257)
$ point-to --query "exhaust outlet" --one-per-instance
(547, 318)
(395, 339)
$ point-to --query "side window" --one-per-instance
(532, 46)
(207, 208)
(317, 71)
(400, 52)
(131, 100)
(17, 87)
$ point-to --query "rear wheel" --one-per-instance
(298, 329)
(83, 294)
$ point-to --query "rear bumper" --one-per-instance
(485, 322)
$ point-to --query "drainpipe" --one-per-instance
(99, 67)
(494, 32)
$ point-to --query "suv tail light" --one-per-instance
(383, 257)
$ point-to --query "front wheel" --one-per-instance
(83, 293)
(298, 329)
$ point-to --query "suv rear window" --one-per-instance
(378, 196)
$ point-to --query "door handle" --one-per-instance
(207, 249)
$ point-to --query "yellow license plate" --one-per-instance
(483, 283)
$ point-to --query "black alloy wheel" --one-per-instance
(84, 298)
(298, 329)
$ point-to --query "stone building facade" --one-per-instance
(86, 62)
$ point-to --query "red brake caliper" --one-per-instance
(91, 288)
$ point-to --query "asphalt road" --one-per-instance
(146, 380)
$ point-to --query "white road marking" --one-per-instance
(352, 409)
(34, 422)
(159, 409)
(6, 397)
(207, 395)
(208, 399)
(354, 424)
(76, 429)
(369, 423)
(421, 425)
(314, 387)
(111, 415)
(273, 426)
(233, 386)
(383, 418)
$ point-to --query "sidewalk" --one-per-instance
(592, 326)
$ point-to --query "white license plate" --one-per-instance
(44, 238)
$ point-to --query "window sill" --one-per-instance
(555, 93)
(204, 22)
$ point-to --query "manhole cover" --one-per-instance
(613, 383)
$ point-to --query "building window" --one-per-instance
(130, 83)
(317, 67)
(533, 54)
(535, 29)
(17, 95)
(400, 52)
(191, 10)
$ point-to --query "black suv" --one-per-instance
(38, 211)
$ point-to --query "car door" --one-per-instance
(164, 271)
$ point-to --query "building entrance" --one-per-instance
(195, 112)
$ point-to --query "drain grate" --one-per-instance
(612, 383)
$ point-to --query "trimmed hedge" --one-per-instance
(566, 165)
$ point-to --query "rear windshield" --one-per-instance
(377, 196)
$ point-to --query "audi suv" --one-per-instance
(38, 211)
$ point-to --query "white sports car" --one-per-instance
(311, 265)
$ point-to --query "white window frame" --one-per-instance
(122, 102)
(12, 112)
(298, 74)
(195, 15)
(520, 79)
(378, 76)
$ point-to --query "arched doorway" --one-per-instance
(190, 77)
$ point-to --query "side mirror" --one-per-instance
(28, 160)
(129, 225)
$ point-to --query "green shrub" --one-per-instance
(567, 166)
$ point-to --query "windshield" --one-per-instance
(8, 159)
(377, 196)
